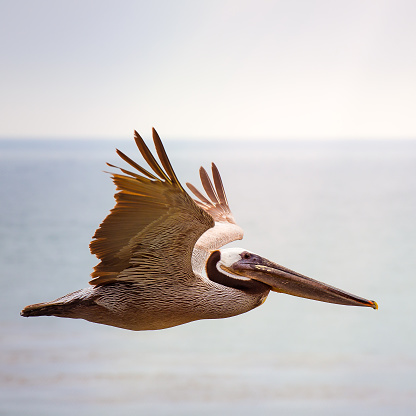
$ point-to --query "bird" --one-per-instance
(161, 257)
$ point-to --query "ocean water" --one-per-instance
(343, 212)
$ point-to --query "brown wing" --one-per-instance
(154, 225)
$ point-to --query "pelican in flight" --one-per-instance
(161, 258)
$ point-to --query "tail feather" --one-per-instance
(44, 309)
(63, 306)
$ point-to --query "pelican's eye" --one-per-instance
(246, 256)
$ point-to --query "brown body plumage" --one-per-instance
(161, 262)
(148, 306)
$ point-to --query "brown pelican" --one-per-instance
(161, 261)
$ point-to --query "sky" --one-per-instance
(208, 69)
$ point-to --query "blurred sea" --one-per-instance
(343, 212)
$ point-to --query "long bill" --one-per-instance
(284, 280)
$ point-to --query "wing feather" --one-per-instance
(164, 158)
(218, 207)
(207, 185)
(198, 195)
(153, 227)
(127, 172)
(148, 157)
(219, 186)
(135, 165)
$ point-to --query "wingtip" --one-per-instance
(215, 171)
(156, 137)
(137, 137)
(164, 159)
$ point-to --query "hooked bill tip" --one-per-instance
(374, 304)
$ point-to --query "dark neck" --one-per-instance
(249, 286)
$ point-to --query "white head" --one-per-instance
(229, 256)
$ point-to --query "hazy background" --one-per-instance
(340, 211)
(313, 80)
(208, 69)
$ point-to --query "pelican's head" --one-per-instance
(240, 268)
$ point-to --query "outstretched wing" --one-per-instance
(215, 203)
(154, 225)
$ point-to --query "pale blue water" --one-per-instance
(341, 212)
